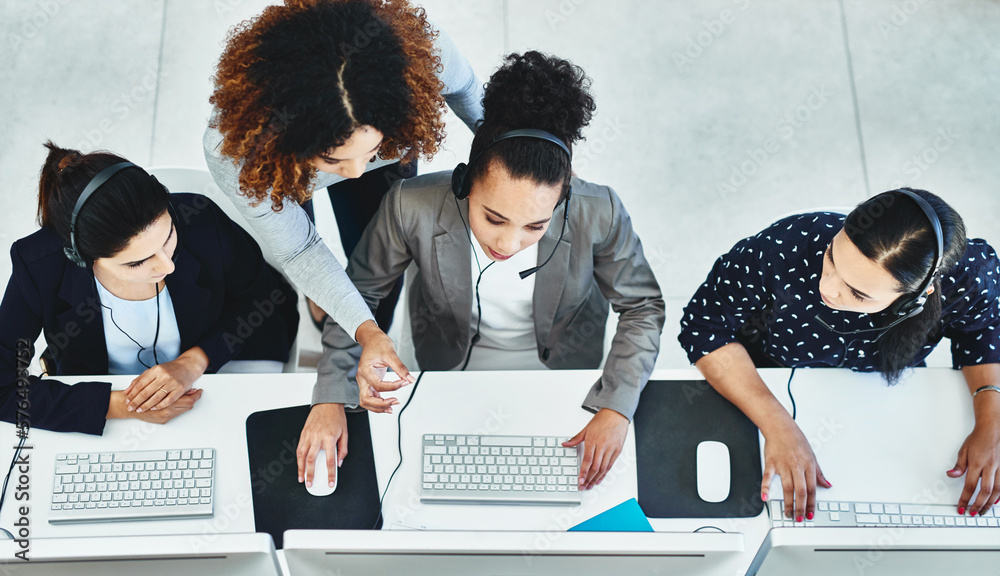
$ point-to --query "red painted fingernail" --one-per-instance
(973, 513)
(798, 518)
(809, 515)
(763, 497)
(961, 509)
(997, 502)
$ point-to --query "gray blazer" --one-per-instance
(599, 260)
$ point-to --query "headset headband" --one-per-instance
(939, 246)
(96, 182)
(461, 188)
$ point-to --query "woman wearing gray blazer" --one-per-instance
(465, 232)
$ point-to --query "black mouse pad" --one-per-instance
(280, 503)
(672, 419)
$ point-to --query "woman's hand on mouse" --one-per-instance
(787, 454)
(326, 429)
(602, 439)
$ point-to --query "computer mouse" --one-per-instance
(712, 465)
(321, 476)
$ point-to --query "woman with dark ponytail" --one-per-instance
(516, 263)
(874, 291)
(126, 278)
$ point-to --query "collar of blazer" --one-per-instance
(83, 322)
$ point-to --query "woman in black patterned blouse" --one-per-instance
(823, 290)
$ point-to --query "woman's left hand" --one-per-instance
(163, 384)
(979, 460)
(602, 439)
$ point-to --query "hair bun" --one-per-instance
(60, 159)
(533, 90)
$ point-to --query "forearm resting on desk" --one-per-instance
(732, 373)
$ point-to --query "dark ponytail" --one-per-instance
(891, 230)
(123, 207)
(532, 90)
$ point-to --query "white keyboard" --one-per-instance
(140, 485)
(851, 514)
(474, 469)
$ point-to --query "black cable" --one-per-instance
(156, 336)
(790, 397)
(13, 461)
(399, 448)
(479, 306)
(479, 316)
(716, 527)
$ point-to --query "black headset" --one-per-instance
(461, 186)
(910, 305)
(74, 256)
(71, 251)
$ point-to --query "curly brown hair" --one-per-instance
(299, 79)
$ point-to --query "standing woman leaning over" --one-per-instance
(343, 94)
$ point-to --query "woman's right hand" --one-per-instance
(377, 355)
(117, 407)
(325, 428)
(787, 454)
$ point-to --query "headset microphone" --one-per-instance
(525, 273)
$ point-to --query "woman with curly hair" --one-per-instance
(515, 207)
(343, 94)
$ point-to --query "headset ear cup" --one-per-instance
(74, 257)
(458, 181)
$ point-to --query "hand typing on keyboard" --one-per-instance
(787, 454)
(602, 440)
(979, 460)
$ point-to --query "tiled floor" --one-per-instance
(851, 97)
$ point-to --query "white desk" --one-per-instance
(217, 421)
(854, 418)
(529, 402)
(880, 443)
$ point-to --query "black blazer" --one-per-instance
(226, 298)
